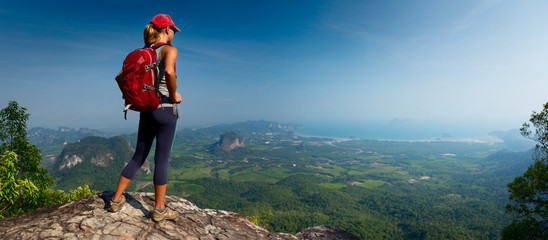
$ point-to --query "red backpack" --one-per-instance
(140, 84)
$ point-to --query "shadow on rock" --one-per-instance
(107, 196)
(88, 218)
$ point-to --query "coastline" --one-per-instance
(411, 130)
(482, 140)
(305, 135)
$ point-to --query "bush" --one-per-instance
(24, 185)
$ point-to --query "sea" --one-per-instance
(394, 130)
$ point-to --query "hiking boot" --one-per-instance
(116, 206)
(166, 214)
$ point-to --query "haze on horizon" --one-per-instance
(465, 63)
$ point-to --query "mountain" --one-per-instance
(98, 161)
(93, 161)
(87, 218)
(513, 140)
(250, 129)
(375, 189)
(51, 141)
(228, 142)
(45, 137)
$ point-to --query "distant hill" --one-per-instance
(81, 157)
(45, 137)
(93, 161)
(51, 141)
(512, 140)
(247, 128)
(373, 188)
(228, 142)
(252, 131)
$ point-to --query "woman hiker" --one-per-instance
(159, 124)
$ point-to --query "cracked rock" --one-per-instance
(88, 218)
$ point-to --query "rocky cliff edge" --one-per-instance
(87, 218)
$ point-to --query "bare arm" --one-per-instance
(170, 54)
(119, 79)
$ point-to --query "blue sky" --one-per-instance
(451, 62)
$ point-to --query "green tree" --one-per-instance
(13, 136)
(529, 192)
(24, 185)
(13, 190)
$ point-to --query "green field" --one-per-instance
(373, 189)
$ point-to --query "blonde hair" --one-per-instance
(151, 34)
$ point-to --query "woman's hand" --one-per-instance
(177, 98)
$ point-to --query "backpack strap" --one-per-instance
(157, 45)
(154, 47)
(157, 82)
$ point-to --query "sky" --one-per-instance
(463, 63)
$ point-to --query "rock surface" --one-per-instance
(87, 218)
(99, 151)
(228, 141)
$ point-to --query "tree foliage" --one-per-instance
(13, 136)
(24, 184)
(529, 192)
(14, 190)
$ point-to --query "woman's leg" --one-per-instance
(160, 196)
(165, 132)
(122, 185)
(145, 137)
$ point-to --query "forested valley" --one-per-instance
(374, 189)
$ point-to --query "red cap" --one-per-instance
(164, 20)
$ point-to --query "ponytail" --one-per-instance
(151, 34)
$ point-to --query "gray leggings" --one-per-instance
(159, 124)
